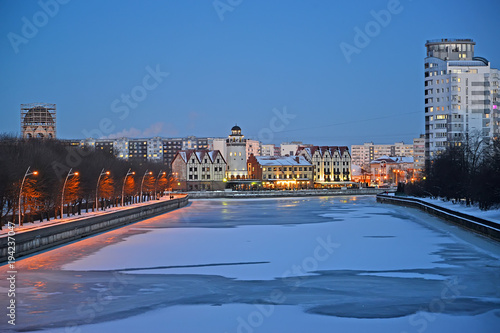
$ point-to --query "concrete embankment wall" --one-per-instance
(479, 225)
(31, 241)
(278, 194)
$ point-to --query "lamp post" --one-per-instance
(27, 173)
(64, 186)
(124, 181)
(142, 182)
(156, 181)
(97, 187)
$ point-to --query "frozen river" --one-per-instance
(333, 264)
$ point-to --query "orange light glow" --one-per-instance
(35, 173)
(107, 172)
(76, 173)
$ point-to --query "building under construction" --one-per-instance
(38, 120)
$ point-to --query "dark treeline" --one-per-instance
(468, 171)
(52, 161)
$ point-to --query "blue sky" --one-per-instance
(275, 68)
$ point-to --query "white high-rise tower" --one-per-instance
(461, 95)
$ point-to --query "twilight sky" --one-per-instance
(282, 70)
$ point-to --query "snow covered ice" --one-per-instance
(332, 264)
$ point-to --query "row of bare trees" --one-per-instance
(467, 171)
(52, 162)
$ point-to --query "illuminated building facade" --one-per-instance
(331, 164)
(281, 172)
(236, 155)
(391, 170)
(197, 170)
(461, 95)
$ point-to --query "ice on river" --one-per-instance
(268, 265)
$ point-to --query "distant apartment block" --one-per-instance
(363, 154)
(253, 148)
(156, 149)
(220, 145)
(193, 142)
(419, 153)
(461, 95)
(289, 148)
(267, 150)
(171, 146)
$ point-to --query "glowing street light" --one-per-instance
(124, 181)
(64, 185)
(97, 187)
(158, 177)
(27, 173)
(142, 182)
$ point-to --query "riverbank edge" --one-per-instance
(481, 226)
(284, 194)
(40, 239)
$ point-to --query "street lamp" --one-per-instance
(142, 182)
(156, 181)
(97, 187)
(27, 173)
(64, 185)
(124, 181)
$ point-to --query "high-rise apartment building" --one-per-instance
(461, 95)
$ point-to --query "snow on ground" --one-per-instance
(492, 214)
(268, 265)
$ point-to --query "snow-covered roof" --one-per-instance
(322, 150)
(393, 159)
(183, 155)
(404, 159)
(200, 155)
(282, 160)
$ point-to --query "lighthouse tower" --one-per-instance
(236, 155)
